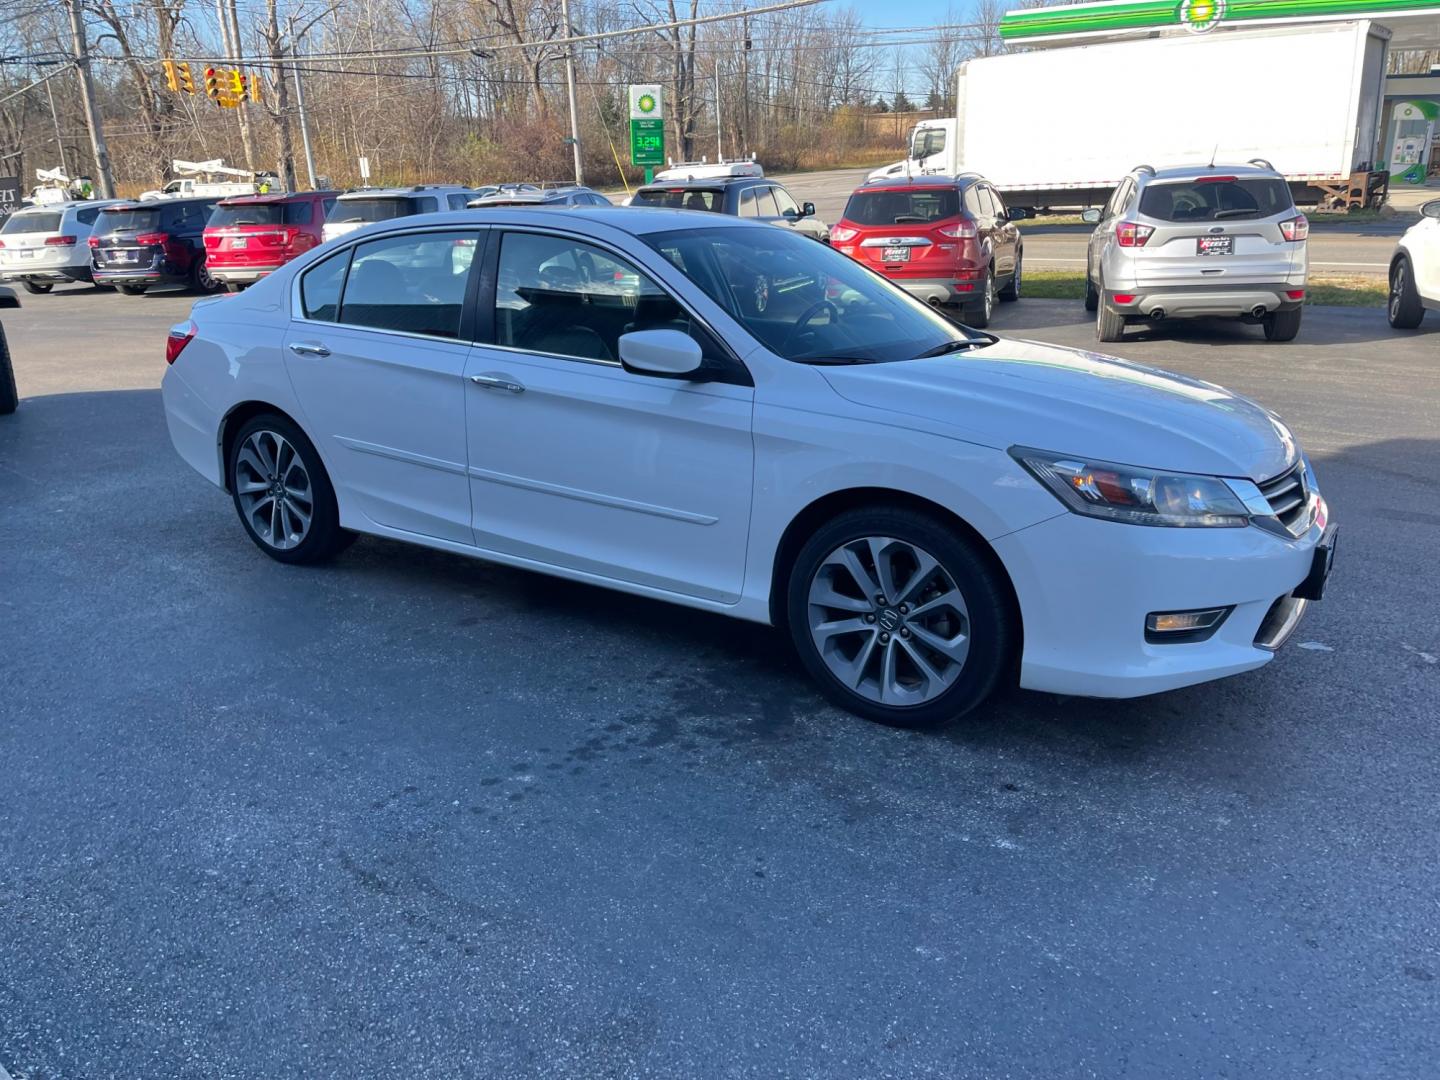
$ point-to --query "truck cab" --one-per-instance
(932, 151)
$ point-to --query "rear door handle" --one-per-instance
(497, 382)
(308, 348)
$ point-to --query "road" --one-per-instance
(1359, 250)
(413, 815)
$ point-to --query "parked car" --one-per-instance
(157, 242)
(535, 195)
(739, 196)
(249, 236)
(354, 209)
(948, 240)
(45, 245)
(1213, 240)
(9, 395)
(1415, 270)
(736, 419)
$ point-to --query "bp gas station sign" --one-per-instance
(647, 127)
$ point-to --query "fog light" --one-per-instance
(1166, 627)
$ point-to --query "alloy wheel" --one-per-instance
(203, 277)
(888, 621)
(1397, 289)
(274, 490)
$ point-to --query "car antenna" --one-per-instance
(1212, 156)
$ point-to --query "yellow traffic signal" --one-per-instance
(183, 76)
(212, 84)
(255, 81)
(170, 81)
(237, 85)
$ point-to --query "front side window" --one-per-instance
(567, 298)
(928, 141)
(804, 301)
(320, 287)
(414, 283)
(765, 202)
(785, 202)
(1216, 198)
(917, 207)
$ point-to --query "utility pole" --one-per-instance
(745, 91)
(87, 101)
(570, 92)
(719, 126)
(304, 124)
(229, 22)
(55, 118)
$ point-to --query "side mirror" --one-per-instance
(1430, 209)
(807, 209)
(1090, 216)
(667, 353)
(1017, 213)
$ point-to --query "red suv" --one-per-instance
(248, 236)
(946, 239)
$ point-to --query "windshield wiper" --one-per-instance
(955, 346)
(831, 361)
(1234, 213)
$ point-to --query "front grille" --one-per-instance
(1289, 498)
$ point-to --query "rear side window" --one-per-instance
(27, 223)
(679, 198)
(1216, 199)
(458, 200)
(414, 283)
(916, 207)
(299, 213)
(320, 287)
(87, 217)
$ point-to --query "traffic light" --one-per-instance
(237, 86)
(255, 82)
(183, 76)
(212, 84)
(170, 81)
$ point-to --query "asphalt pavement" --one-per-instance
(413, 815)
(1335, 248)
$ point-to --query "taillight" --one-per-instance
(1296, 229)
(60, 241)
(151, 238)
(963, 229)
(94, 241)
(841, 234)
(1132, 234)
(178, 338)
(1294, 294)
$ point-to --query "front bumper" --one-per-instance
(1085, 587)
(1207, 299)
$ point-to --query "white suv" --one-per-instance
(1415, 270)
(43, 245)
(365, 206)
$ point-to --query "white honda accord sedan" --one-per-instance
(728, 416)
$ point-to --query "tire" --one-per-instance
(1282, 325)
(1092, 295)
(1109, 325)
(251, 453)
(1011, 292)
(233, 287)
(9, 395)
(977, 314)
(982, 628)
(39, 288)
(132, 290)
(200, 279)
(1405, 309)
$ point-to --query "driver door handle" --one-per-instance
(497, 382)
(308, 348)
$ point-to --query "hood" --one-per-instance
(1078, 402)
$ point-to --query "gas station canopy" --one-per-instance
(1413, 24)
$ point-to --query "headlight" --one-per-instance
(1103, 489)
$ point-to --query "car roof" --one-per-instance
(911, 183)
(273, 197)
(633, 220)
(1189, 172)
(68, 204)
(402, 192)
(160, 204)
(706, 184)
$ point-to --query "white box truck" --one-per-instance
(1062, 126)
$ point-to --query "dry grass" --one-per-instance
(1330, 289)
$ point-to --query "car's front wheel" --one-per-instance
(283, 494)
(1282, 325)
(39, 288)
(1405, 308)
(898, 618)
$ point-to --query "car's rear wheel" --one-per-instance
(9, 395)
(39, 288)
(1012, 291)
(1405, 309)
(1282, 325)
(898, 618)
(132, 290)
(201, 278)
(282, 492)
(978, 312)
(1109, 325)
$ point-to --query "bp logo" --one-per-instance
(646, 103)
(1200, 16)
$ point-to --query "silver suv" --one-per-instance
(1211, 240)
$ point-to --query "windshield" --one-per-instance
(803, 300)
(679, 198)
(27, 223)
(127, 220)
(383, 209)
(927, 141)
(914, 207)
(247, 214)
(1216, 199)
